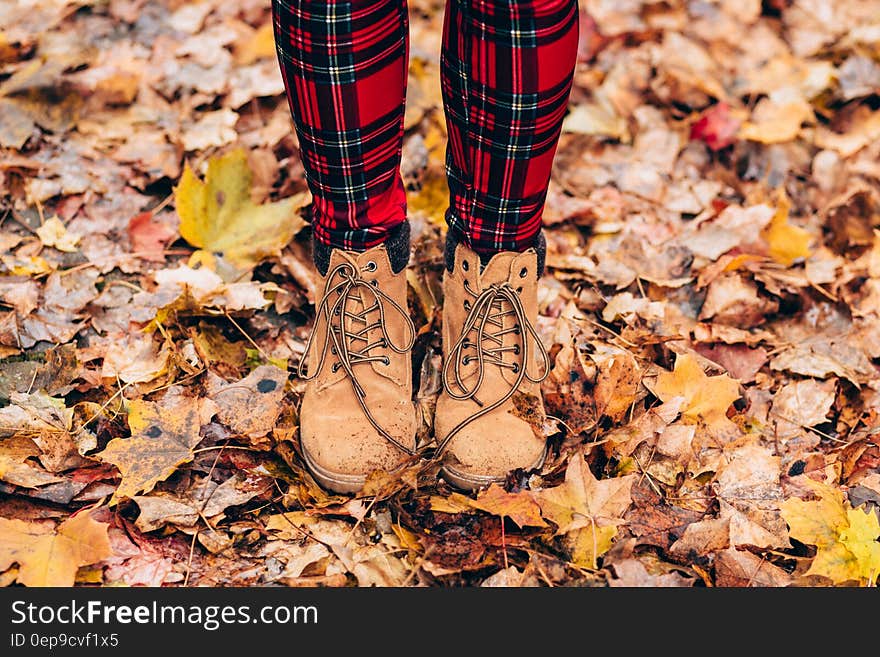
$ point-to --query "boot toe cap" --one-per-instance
(341, 448)
(489, 448)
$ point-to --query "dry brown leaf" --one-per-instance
(742, 569)
(802, 404)
(251, 406)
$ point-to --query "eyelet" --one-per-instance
(386, 361)
(465, 360)
(516, 331)
(371, 266)
(516, 349)
(465, 265)
(374, 283)
(467, 304)
(335, 367)
(515, 368)
(333, 350)
(519, 290)
(336, 311)
(523, 272)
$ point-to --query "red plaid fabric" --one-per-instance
(506, 73)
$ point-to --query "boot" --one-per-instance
(493, 365)
(357, 414)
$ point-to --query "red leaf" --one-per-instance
(148, 236)
(716, 127)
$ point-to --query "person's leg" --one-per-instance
(507, 69)
(344, 65)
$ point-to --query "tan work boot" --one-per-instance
(493, 365)
(357, 414)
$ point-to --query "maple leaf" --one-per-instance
(845, 538)
(218, 215)
(588, 508)
(706, 397)
(51, 557)
(163, 436)
(786, 241)
(717, 128)
(519, 507)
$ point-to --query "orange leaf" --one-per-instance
(706, 397)
(49, 557)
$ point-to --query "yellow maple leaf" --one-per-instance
(48, 557)
(845, 538)
(218, 215)
(786, 242)
(706, 397)
(860, 538)
(590, 543)
(583, 500)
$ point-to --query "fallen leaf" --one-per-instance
(53, 233)
(741, 361)
(802, 404)
(617, 383)
(716, 127)
(135, 359)
(846, 542)
(519, 507)
(51, 557)
(750, 493)
(149, 236)
(734, 300)
(21, 474)
(251, 406)
(786, 241)
(774, 122)
(163, 436)
(584, 501)
(631, 573)
(742, 569)
(218, 215)
(587, 544)
(735, 226)
(206, 498)
(707, 398)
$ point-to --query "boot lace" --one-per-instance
(349, 340)
(485, 320)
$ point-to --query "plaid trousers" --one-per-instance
(506, 73)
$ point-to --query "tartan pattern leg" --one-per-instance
(344, 65)
(506, 73)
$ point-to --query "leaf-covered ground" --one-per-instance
(711, 307)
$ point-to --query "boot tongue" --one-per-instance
(497, 270)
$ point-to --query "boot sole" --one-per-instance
(471, 482)
(338, 482)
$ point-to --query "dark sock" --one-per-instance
(397, 246)
(540, 247)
